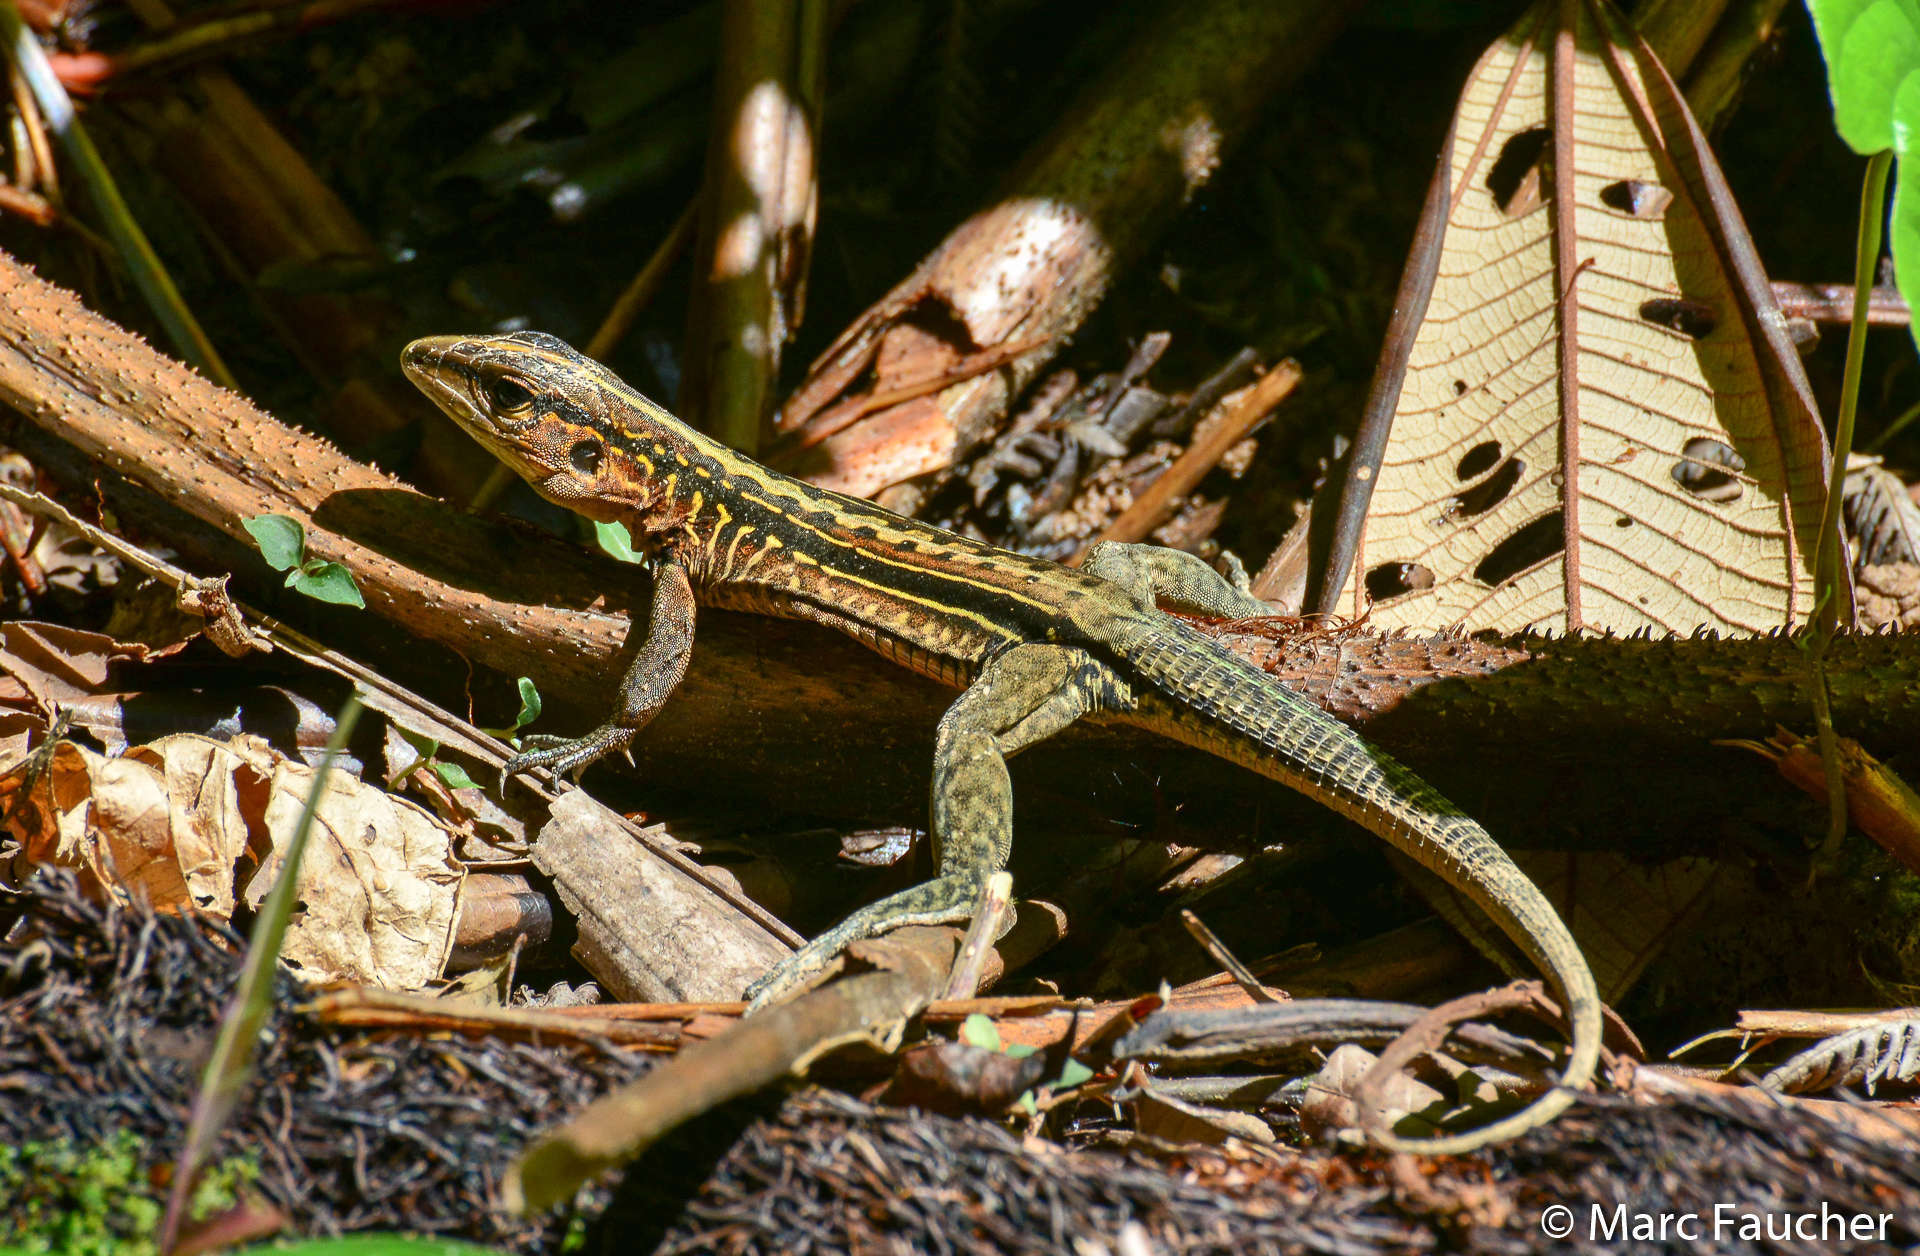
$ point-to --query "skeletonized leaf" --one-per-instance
(1588, 414)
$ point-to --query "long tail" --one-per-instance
(1224, 705)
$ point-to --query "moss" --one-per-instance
(98, 1201)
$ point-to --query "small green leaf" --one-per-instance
(1019, 1050)
(529, 704)
(424, 748)
(617, 541)
(281, 539)
(1073, 1073)
(328, 582)
(454, 775)
(980, 1031)
(1028, 1104)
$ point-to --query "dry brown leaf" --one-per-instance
(1174, 1120)
(56, 664)
(1588, 414)
(1328, 1104)
(1867, 1056)
(164, 819)
(1882, 516)
(1889, 596)
(379, 888)
(172, 820)
(1622, 913)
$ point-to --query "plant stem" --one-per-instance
(1827, 572)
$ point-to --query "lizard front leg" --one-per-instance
(652, 677)
(1022, 696)
(1176, 577)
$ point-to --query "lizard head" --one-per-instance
(563, 422)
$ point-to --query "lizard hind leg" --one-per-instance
(1022, 696)
(1184, 581)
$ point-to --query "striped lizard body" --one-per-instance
(1032, 645)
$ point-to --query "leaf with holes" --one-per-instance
(1588, 414)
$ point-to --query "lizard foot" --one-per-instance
(564, 755)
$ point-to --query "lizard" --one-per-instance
(1032, 645)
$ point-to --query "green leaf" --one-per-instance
(529, 704)
(1871, 48)
(1073, 1073)
(328, 582)
(454, 775)
(1903, 226)
(617, 541)
(424, 748)
(980, 1031)
(1019, 1050)
(281, 539)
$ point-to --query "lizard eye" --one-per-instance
(585, 457)
(508, 394)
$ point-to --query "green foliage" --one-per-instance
(529, 711)
(283, 543)
(1872, 50)
(427, 748)
(97, 1201)
(980, 1031)
(615, 540)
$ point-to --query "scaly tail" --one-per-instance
(1224, 705)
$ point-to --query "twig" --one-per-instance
(757, 213)
(1152, 506)
(995, 899)
(640, 291)
(1838, 302)
(1223, 956)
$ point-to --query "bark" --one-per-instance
(1021, 274)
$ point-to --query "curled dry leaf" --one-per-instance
(1885, 1051)
(1882, 516)
(173, 820)
(379, 888)
(1588, 413)
(164, 820)
(1408, 1107)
